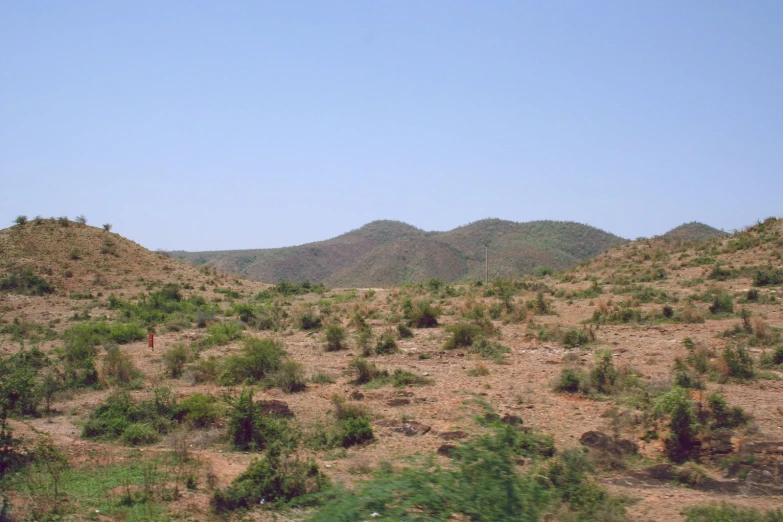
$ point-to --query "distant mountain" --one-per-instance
(384, 253)
(693, 231)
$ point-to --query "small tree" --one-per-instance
(335, 338)
(107, 227)
(82, 220)
(20, 220)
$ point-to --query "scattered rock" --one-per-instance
(275, 407)
(603, 442)
(408, 429)
(446, 450)
(357, 395)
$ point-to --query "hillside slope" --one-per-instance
(386, 253)
(75, 258)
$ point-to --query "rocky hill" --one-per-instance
(385, 253)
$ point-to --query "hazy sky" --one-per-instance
(222, 125)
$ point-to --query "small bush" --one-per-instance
(309, 321)
(404, 331)
(574, 337)
(422, 315)
(139, 433)
(220, 334)
(82, 220)
(603, 375)
(462, 336)
(735, 363)
(291, 377)
(249, 429)
(107, 227)
(258, 359)
(20, 220)
(335, 338)
(489, 350)
(386, 344)
(120, 417)
(199, 410)
(26, 282)
(119, 367)
(680, 411)
(723, 415)
(569, 381)
(722, 303)
(365, 370)
(276, 478)
(768, 276)
(175, 359)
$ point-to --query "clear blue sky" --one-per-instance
(223, 125)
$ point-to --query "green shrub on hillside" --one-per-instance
(420, 315)
(256, 360)
(121, 417)
(26, 282)
(335, 338)
(462, 335)
(249, 428)
(277, 478)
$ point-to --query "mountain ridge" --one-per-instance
(387, 252)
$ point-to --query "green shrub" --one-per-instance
(736, 364)
(401, 378)
(722, 303)
(291, 377)
(679, 409)
(539, 305)
(489, 350)
(386, 344)
(365, 370)
(604, 375)
(335, 338)
(422, 315)
(259, 358)
(309, 321)
(139, 433)
(462, 336)
(768, 276)
(119, 367)
(220, 334)
(20, 220)
(276, 478)
(569, 381)
(26, 282)
(250, 429)
(574, 337)
(175, 359)
(723, 415)
(482, 484)
(120, 417)
(404, 331)
(199, 410)
(355, 431)
(777, 356)
(18, 382)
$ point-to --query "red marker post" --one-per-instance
(151, 341)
